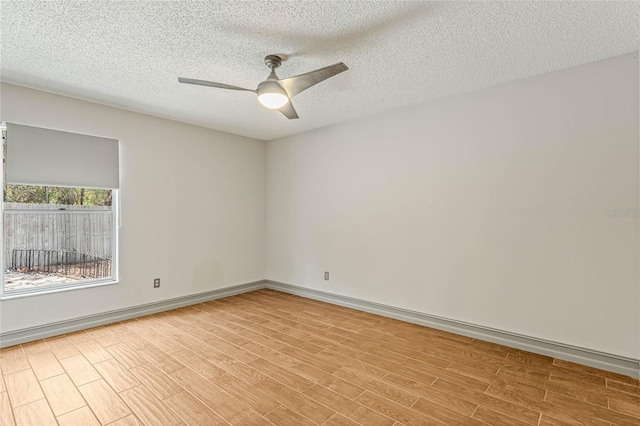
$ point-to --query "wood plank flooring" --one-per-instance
(266, 357)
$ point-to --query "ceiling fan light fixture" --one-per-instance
(273, 100)
(271, 95)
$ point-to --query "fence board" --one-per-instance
(83, 229)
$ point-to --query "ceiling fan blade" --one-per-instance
(211, 84)
(289, 111)
(295, 85)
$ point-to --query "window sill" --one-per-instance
(19, 295)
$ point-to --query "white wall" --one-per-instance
(192, 207)
(487, 208)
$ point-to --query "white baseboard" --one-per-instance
(54, 329)
(592, 358)
(604, 361)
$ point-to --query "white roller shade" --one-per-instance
(37, 156)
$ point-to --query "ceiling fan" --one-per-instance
(275, 93)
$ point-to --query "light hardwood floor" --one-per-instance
(266, 358)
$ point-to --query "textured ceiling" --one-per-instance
(129, 54)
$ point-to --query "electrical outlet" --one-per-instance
(326, 276)
(156, 283)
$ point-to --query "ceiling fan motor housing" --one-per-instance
(271, 86)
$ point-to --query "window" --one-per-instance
(59, 221)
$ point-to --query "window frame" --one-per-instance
(89, 283)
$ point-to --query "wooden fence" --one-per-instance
(82, 229)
